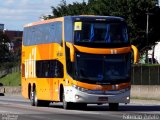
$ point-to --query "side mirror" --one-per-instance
(71, 47)
(135, 53)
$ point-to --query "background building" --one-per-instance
(15, 38)
(10, 45)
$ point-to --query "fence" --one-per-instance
(141, 74)
(145, 75)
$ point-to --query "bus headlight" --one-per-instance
(87, 90)
(80, 88)
(128, 98)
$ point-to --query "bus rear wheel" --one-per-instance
(113, 106)
(32, 98)
(36, 102)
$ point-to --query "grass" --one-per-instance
(13, 79)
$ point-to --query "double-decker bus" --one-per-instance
(77, 60)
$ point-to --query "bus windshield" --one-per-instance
(101, 32)
(103, 68)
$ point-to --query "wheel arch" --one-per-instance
(61, 92)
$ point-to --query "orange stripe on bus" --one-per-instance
(103, 50)
(102, 87)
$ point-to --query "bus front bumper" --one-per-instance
(77, 96)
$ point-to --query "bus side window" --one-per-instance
(43, 33)
(58, 69)
(49, 69)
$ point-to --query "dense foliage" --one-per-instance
(4, 49)
(8, 58)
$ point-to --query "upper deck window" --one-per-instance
(43, 33)
(100, 32)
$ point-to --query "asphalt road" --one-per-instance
(18, 108)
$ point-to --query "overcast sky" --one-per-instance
(16, 13)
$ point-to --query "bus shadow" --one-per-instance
(56, 105)
(88, 108)
(121, 108)
(140, 108)
(126, 108)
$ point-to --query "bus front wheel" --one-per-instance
(66, 105)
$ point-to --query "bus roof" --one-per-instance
(95, 18)
(43, 22)
(78, 17)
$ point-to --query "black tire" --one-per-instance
(67, 105)
(113, 106)
(32, 98)
(35, 101)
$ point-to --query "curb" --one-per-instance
(137, 92)
(10, 90)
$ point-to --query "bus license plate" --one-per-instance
(103, 99)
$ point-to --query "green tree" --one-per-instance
(17, 49)
(71, 9)
(4, 47)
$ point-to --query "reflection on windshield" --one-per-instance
(103, 67)
(102, 33)
(87, 69)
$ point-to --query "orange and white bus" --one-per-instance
(77, 60)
